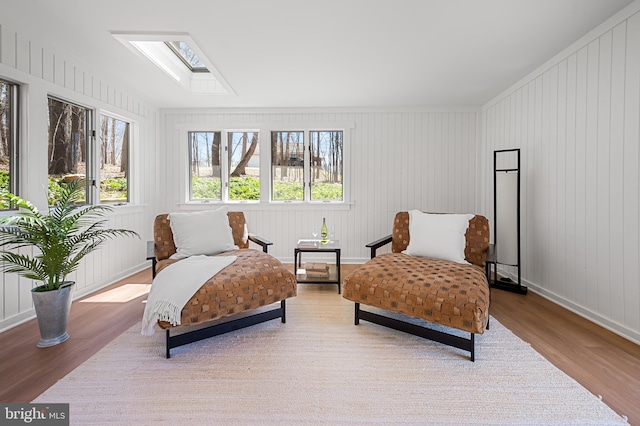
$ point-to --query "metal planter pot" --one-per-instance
(52, 309)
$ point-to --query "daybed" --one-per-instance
(453, 294)
(253, 280)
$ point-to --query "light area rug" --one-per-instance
(319, 368)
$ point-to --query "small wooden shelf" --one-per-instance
(334, 270)
(331, 279)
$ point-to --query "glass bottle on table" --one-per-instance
(324, 232)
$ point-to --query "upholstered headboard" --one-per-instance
(477, 237)
(163, 236)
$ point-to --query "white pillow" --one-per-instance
(201, 233)
(439, 236)
(245, 234)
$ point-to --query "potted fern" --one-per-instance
(58, 241)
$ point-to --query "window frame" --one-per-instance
(92, 154)
(14, 138)
(225, 166)
(190, 176)
(201, 68)
(266, 182)
(309, 183)
(91, 198)
(307, 168)
(130, 155)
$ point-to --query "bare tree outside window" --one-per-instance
(8, 139)
(287, 166)
(114, 160)
(244, 166)
(204, 165)
(326, 165)
(67, 145)
(305, 165)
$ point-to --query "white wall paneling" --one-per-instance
(42, 70)
(577, 121)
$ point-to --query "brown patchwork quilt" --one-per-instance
(437, 291)
(255, 279)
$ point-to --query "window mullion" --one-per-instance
(307, 166)
(9, 154)
(224, 174)
(13, 138)
(91, 172)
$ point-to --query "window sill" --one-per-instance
(273, 206)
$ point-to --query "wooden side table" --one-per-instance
(332, 246)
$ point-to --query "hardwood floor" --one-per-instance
(600, 360)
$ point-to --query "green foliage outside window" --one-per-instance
(112, 189)
(326, 191)
(4, 188)
(248, 188)
(205, 188)
(288, 190)
(55, 189)
(244, 188)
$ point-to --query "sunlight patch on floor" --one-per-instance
(120, 294)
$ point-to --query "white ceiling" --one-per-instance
(325, 53)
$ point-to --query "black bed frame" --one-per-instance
(416, 330)
(225, 327)
(410, 328)
(219, 328)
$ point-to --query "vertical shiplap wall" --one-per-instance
(41, 71)
(396, 161)
(577, 122)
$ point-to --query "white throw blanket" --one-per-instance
(177, 283)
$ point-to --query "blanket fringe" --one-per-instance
(162, 311)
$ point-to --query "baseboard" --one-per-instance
(586, 313)
(25, 316)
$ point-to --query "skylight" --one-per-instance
(187, 55)
(180, 58)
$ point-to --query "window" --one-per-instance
(326, 165)
(322, 168)
(8, 139)
(69, 127)
(205, 166)
(177, 55)
(305, 166)
(287, 166)
(187, 55)
(114, 160)
(244, 162)
(214, 177)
